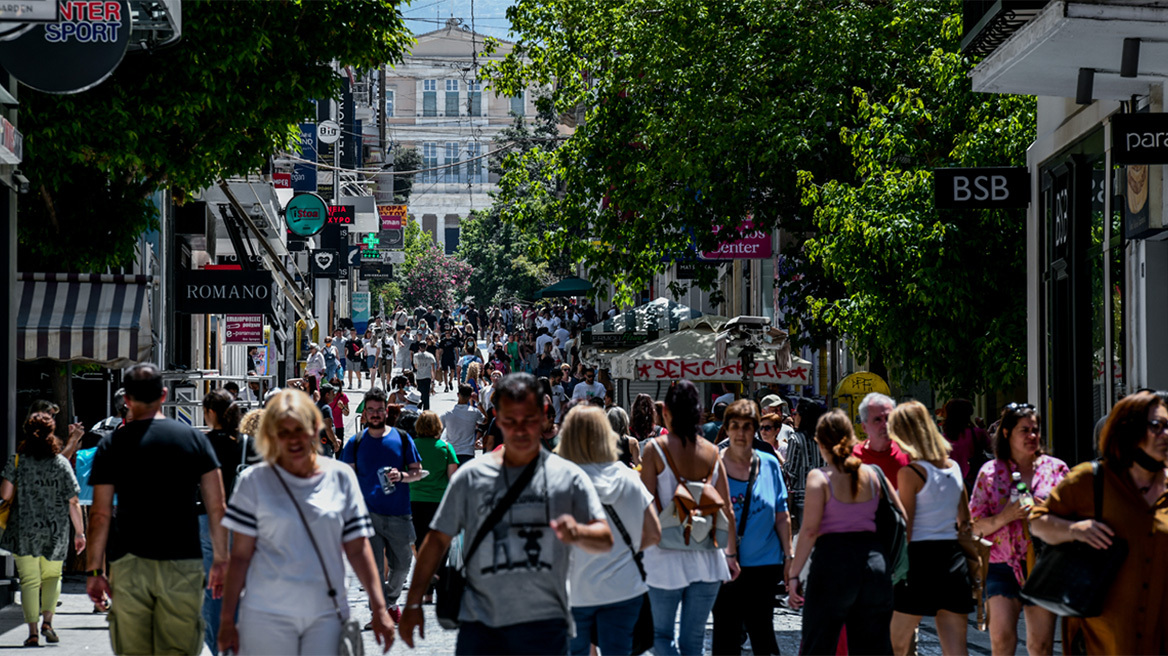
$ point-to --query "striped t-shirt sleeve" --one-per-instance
(241, 509)
(357, 521)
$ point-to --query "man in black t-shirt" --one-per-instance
(448, 355)
(154, 465)
(472, 317)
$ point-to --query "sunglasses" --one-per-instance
(1018, 407)
(766, 427)
(1158, 426)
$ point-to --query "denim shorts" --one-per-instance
(1000, 582)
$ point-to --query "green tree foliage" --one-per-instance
(405, 159)
(821, 116)
(939, 294)
(214, 105)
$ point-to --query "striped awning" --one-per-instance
(83, 317)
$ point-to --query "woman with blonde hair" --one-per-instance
(608, 588)
(932, 491)
(850, 583)
(293, 515)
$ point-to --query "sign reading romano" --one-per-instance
(224, 292)
(1139, 139)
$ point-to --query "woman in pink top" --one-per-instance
(1017, 448)
(850, 583)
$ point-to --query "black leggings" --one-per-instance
(749, 602)
(849, 584)
(423, 513)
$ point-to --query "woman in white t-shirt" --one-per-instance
(290, 604)
(372, 356)
(607, 589)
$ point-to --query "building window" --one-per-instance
(474, 98)
(451, 241)
(518, 106)
(451, 162)
(389, 103)
(430, 161)
(452, 97)
(429, 97)
(475, 167)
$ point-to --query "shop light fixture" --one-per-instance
(1086, 89)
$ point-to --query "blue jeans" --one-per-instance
(542, 637)
(696, 600)
(211, 607)
(614, 627)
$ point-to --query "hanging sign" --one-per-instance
(992, 187)
(72, 54)
(224, 292)
(1139, 138)
(753, 245)
(324, 263)
(243, 328)
(393, 222)
(304, 173)
(306, 214)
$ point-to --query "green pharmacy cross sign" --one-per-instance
(306, 214)
(370, 252)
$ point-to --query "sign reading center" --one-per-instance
(995, 187)
(306, 214)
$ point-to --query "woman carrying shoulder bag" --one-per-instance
(850, 582)
(608, 589)
(690, 577)
(294, 516)
(935, 503)
(1134, 444)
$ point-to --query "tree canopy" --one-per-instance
(214, 105)
(821, 117)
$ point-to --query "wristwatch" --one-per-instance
(96, 572)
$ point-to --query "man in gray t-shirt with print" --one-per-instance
(516, 599)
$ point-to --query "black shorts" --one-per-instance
(448, 365)
(938, 579)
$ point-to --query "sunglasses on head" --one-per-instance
(1018, 407)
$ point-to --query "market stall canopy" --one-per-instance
(572, 286)
(689, 354)
(638, 325)
(81, 317)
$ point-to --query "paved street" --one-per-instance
(83, 632)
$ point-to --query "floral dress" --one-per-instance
(991, 495)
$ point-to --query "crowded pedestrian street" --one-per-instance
(583, 327)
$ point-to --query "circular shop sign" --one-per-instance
(74, 54)
(328, 132)
(306, 214)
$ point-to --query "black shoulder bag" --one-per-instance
(1072, 579)
(452, 580)
(754, 465)
(351, 643)
(643, 629)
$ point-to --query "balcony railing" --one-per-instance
(988, 23)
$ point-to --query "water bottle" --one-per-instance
(1025, 498)
(1015, 494)
(387, 486)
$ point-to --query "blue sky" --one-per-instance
(490, 16)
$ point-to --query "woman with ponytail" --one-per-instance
(689, 578)
(223, 414)
(849, 583)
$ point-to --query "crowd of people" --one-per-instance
(575, 525)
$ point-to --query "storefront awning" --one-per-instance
(83, 317)
(572, 286)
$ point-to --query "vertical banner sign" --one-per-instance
(303, 174)
(360, 311)
(324, 151)
(393, 223)
(350, 149)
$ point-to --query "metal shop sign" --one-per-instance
(74, 53)
(992, 187)
(324, 263)
(224, 292)
(370, 271)
(304, 173)
(343, 214)
(1139, 139)
(243, 329)
(306, 214)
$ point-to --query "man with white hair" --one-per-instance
(879, 449)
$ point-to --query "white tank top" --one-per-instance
(672, 569)
(936, 508)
